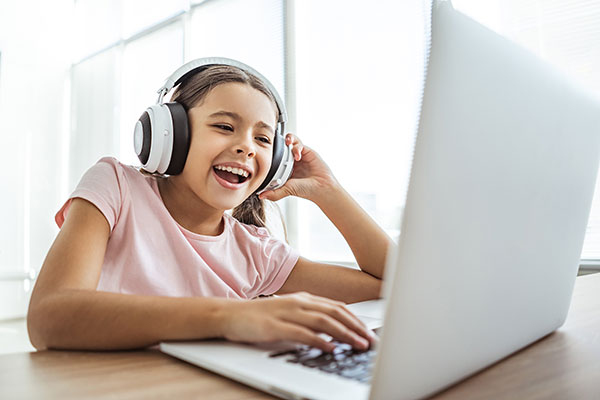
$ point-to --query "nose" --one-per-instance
(245, 145)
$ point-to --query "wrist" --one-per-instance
(329, 196)
(224, 315)
(216, 316)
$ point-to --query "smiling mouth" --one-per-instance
(234, 176)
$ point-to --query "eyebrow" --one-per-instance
(237, 117)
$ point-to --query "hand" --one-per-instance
(298, 317)
(310, 178)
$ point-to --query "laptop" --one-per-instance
(501, 185)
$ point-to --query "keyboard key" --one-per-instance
(343, 361)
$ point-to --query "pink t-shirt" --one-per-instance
(149, 253)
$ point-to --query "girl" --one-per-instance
(141, 259)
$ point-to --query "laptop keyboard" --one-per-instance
(343, 361)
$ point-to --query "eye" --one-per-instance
(223, 127)
(264, 139)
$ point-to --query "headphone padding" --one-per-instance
(147, 137)
(181, 138)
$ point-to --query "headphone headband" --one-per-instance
(189, 68)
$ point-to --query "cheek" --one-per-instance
(197, 162)
(266, 158)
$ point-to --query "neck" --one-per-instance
(188, 210)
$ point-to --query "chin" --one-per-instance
(222, 199)
(229, 205)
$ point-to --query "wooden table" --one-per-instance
(563, 365)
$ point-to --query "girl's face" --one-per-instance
(232, 133)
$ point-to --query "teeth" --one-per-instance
(237, 171)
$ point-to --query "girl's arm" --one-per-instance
(313, 180)
(333, 281)
(67, 312)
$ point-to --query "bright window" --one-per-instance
(359, 71)
(143, 71)
(94, 127)
(249, 31)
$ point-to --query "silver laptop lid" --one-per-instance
(500, 190)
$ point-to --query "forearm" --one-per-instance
(368, 242)
(87, 319)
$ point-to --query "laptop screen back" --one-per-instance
(501, 186)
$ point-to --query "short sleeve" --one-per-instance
(278, 259)
(103, 186)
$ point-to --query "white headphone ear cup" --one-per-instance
(160, 128)
(161, 138)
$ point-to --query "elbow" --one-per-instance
(369, 288)
(377, 289)
(44, 320)
(375, 286)
(35, 326)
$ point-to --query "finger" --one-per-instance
(274, 195)
(297, 152)
(343, 315)
(320, 322)
(336, 303)
(351, 321)
(266, 195)
(297, 146)
(300, 334)
(290, 138)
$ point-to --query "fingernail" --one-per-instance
(363, 343)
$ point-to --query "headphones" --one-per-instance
(161, 138)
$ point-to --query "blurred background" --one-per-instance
(75, 76)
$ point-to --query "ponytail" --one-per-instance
(251, 212)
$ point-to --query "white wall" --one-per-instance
(34, 46)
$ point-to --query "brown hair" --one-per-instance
(192, 91)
